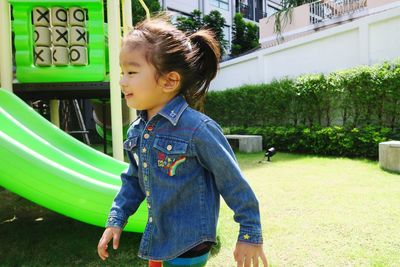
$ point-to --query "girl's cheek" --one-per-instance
(133, 103)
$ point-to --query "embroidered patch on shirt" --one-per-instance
(169, 163)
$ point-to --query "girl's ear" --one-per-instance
(170, 82)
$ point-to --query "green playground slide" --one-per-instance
(43, 164)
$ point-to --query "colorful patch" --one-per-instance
(168, 163)
(175, 165)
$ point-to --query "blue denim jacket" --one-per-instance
(180, 163)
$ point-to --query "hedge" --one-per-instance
(334, 140)
(343, 113)
(357, 97)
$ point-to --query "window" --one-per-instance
(227, 37)
(222, 4)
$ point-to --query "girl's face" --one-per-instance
(138, 83)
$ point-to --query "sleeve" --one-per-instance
(216, 155)
(129, 197)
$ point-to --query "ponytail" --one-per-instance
(203, 63)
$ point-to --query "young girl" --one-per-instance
(180, 161)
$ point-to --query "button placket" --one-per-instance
(144, 148)
(146, 170)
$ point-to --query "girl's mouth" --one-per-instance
(128, 95)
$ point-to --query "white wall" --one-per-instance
(182, 5)
(384, 39)
(368, 40)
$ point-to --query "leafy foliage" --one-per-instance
(196, 21)
(244, 35)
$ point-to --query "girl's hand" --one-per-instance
(246, 253)
(110, 233)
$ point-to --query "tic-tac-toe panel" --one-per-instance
(59, 41)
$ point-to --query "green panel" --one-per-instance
(49, 167)
(22, 26)
(99, 130)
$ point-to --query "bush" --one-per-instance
(358, 97)
(333, 140)
(344, 113)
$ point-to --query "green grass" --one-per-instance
(315, 211)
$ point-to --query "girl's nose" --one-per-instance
(122, 81)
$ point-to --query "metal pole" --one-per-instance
(6, 65)
(127, 23)
(103, 101)
(114, 44)
(54, 113)
(81, 122)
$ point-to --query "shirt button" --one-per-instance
(144, 164)
(151, 219)
(146, 136)
(144, 150)
(145, 177)
(148, 205)
(150, 128)
(169, 147)
(148, 193)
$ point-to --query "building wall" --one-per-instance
(184, 6)
(368, 40)
(301, 20)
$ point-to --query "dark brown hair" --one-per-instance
(194, 56)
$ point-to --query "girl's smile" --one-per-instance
(128, 95)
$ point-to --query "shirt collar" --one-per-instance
(172, 111)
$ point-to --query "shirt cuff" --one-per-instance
(114, 221)
(250, 236)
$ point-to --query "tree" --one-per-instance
(216, 22)
(196, 21)
(190, 24)
(244, 35)
(138, 12)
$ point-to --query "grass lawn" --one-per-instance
(316, 211)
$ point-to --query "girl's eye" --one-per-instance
(129, 73)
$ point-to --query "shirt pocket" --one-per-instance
(170, 155)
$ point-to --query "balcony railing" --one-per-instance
(328, 9)
(251, 13)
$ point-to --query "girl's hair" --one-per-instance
(194, 56)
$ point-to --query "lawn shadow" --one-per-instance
(255, 160)
(35, 236)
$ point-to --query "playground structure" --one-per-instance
(44, 164)
(60, 51)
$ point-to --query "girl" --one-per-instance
(180, 161)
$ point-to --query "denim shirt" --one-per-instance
(180, 164)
